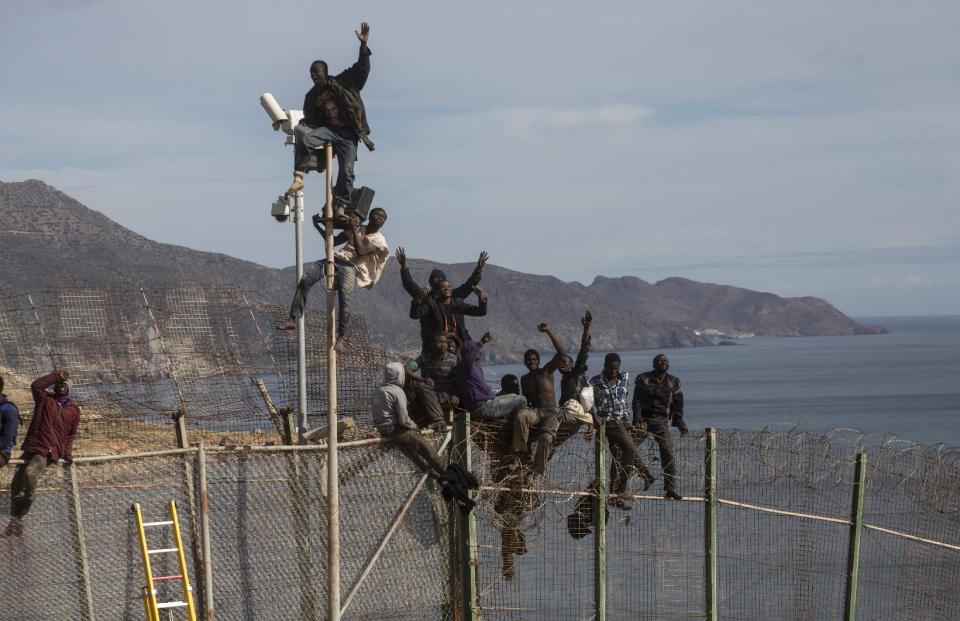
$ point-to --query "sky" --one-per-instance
(802, 148)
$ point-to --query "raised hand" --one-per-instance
(587, 320)
(543, 327)
(64, 374)
(483, 259)
(401, 257)
(486, 338)
(364, 32)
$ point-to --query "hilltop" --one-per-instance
(49, 239)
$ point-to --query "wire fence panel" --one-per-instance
(41, 577)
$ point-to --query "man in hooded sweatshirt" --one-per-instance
(9, 423)
(392, 420)
(49, 438)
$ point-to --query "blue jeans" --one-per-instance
(344, 280)
(500, 407)
(308, 139)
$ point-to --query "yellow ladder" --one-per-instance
(150, 603)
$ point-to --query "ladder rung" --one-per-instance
(167, 523)
(172, 605)
(163, 551)
(158, 578)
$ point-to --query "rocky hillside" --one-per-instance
(48, 238)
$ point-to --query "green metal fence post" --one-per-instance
(856, 527)
(710, 523)
(466, 526)
(600, 526)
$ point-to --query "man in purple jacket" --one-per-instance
(49, 438)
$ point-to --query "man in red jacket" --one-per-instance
(49, 438)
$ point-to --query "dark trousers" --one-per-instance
(659, 430)
(345, 150)
(624, 454)
(424, 404)
(546, 423)
(24, 486)
(419, 450)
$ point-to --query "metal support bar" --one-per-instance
(296, 209)
(394, 525)
(333, 468)
(83, 563)
(710, 523)
(466, 526)
(205, 536)
(600, 525)
(856, 528)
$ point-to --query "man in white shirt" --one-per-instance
(359, 263)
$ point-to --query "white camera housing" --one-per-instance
(283, 120)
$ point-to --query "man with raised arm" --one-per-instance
(49, 438)
(537, 385)
(658, 403)
(358, 264)
(422, 304)
(437, 276)
(610, 390)
(573, 380)
(333, 112)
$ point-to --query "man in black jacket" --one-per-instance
(658, 401)
(436, 277)
(333, 112)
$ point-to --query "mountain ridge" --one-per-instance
(80, 245)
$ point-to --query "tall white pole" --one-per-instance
(333, 468)
(301, 331)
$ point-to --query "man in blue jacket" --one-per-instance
(9, 422)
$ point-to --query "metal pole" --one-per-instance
(710, 523)
(600, 525)
(205, 535)
(856, 527)
(77, 519)
(333, 468)
(297, 212)
(466, 527)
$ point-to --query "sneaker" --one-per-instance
(287, 324)
(620, 503)
(672, 495)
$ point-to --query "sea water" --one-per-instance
(905, 383)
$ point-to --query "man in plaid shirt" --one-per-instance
(610, 398)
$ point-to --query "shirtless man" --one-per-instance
(538, 387)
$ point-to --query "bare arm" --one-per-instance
(471, 283)
(554, 363)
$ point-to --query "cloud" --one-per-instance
(911, 280)
(527, 121)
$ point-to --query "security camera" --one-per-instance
(284, 120)
(280, 209)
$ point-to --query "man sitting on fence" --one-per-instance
(573, 381)
(9, 423)
(359, 263)
(49, 438)
(430, 384)
(658, 402)
(537, 386)
(610, 398)
(392, 420)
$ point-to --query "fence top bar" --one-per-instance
(93, 459)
